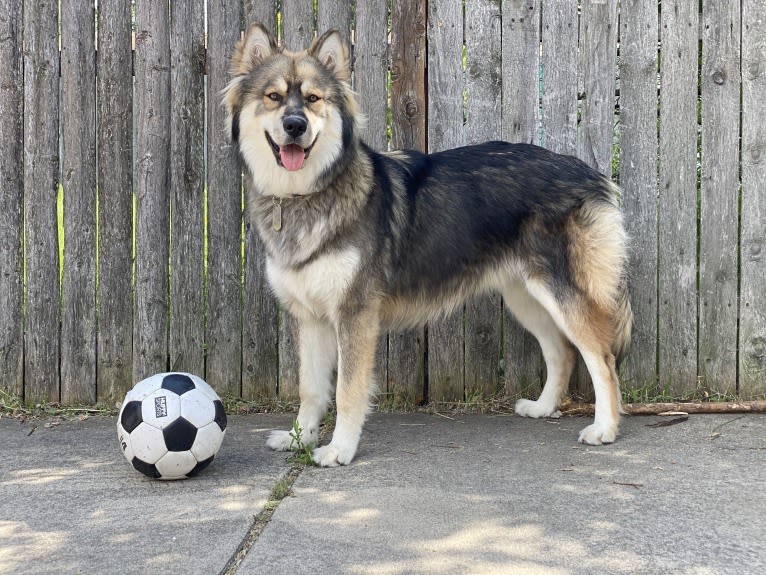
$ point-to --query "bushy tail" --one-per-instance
(623, 322)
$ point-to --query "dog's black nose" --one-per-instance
(294, 125)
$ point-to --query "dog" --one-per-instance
(359, 242)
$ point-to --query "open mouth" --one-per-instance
(292, 156)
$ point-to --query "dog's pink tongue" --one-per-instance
(292, 157)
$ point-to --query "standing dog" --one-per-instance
(360, 242)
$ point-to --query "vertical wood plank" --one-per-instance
(752, 336)
(263, 11)
(152, 183)
(11, 157)
(598, 54)
(297, 24)
(638, 179)
(522, 359)
(78, 135)
(370, 83)
(406, 359)
(484, 85)
(260, 334)
(114, 100)
(186, 341)
(335, 15)
(224, 197)
(719, 196)
(596, 80)
(41, 176)
(520, 70)
(559, 77)
(677, 207)
(446, 338)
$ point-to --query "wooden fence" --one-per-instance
(123, 246)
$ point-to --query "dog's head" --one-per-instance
(291, 113)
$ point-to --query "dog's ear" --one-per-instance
(332, 52)
(250, 52)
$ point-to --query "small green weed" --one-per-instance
(302, 452)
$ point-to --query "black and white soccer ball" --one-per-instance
(171, 425)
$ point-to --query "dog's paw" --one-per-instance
(528, 408)
(280, 440)
(332, 456)
(598, 434)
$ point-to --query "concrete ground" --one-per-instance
(474, 494)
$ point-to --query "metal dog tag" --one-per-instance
(276, 214)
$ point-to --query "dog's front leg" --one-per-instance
(357, 335)
(318, 355)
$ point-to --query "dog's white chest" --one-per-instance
(317, 288)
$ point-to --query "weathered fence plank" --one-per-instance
(41, 176)
(151, 186)
(406, 354)
(522, 360)
(114, 101)
(483, 121)
(224, 197)
(186, 339)
(638, 179)
(260, 334)
(370, 82)
(677, 204)
(445, 130)
(752, 336)
(719, 196)
(78, 167)
(11, 157)
(335, 15)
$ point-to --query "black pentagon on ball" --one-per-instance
(180, 435)
(131, 416)
(148, 469)
(220, 414)
(179, 383)
(200, 466)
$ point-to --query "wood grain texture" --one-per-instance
(41, 175)
(114, 100)
(752, 335)
(719, 196)
(78, 163)
(11, 158)
(484, 121)
(371, 85)
(522, 359)
(224, 196)
(638, 180)
(260, 332)
(677, 204)
(186, 341)
(446, 337)
(151, 185)
(406, 361)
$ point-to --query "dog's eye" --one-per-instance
(274, 96)
(311, 98)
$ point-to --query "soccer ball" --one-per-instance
(171, 425)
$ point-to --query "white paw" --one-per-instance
(598, 434)
(332, 456)
(280, 440)
(528, 408)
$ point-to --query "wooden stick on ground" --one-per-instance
(657, 408)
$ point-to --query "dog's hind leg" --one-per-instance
(318, 354)
(558, 353)
(591, 329)
(357, 335)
